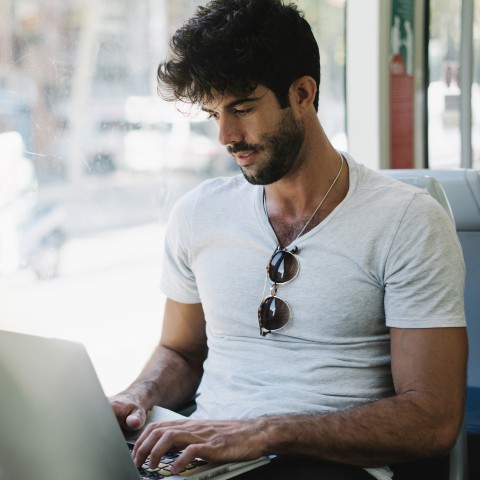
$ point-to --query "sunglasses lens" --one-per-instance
(283, 267)
(273, 313)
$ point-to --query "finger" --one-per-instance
(144, 445)
(143, 437)
(169, 441)
(129, 415)
(188, 455)
(155, 441)
(120, 409)
(148, 431)
(159, 442)
(136, 419)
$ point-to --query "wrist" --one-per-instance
(273, 439)
(143, 393)
(283, 434)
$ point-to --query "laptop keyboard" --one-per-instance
(164, 467)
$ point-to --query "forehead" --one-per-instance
(222, 101)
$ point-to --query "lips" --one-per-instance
(244, 158)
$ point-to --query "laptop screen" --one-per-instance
(55, 421)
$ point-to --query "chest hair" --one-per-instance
(287, 231)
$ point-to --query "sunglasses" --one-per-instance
(274, 312)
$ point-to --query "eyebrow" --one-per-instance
(235, 103)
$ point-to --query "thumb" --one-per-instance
(136, 419)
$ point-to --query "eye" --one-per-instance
(213, 116)
(242, 112)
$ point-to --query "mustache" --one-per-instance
(242, 147)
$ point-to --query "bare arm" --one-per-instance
(172, 375)
(421, 420)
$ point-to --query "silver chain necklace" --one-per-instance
(319, 205)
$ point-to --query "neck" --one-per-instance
(299, 192)
(298, 203)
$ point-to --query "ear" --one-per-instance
(302, 93)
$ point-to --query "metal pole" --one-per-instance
(466, 79)
(81, 87)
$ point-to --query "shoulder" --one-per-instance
(389, 208)
(387, 193)
(215, 188)
(369, 180)
(213, 199)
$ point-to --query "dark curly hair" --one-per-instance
(231, 46)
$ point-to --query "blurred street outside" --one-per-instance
(107, 294)
(108, 285)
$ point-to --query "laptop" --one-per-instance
(57, 424)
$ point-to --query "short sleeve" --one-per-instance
(177, 279)
(425, 270)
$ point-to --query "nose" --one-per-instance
(228, 131)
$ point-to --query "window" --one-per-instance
(444, 89)
(91, 162)
(327, 18)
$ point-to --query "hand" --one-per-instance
(215, 441)
(131, 415)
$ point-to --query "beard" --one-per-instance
(281, 147)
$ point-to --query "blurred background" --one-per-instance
(91, 160)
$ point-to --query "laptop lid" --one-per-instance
(57, 424)
(55, 421)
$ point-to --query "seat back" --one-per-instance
(462, 188)
(464, 216)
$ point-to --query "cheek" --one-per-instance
(264, 129)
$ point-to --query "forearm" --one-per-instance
(422, 420)
(168, 379)
(392, 430)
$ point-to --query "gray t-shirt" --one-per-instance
(387, 256)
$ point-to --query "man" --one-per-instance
(356, 355)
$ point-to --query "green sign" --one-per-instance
(401, 32)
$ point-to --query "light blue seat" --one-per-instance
(458, 191)
(462, 188)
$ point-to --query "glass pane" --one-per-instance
(476, 87)
(443, 90)
(327, 18)
(91, 162)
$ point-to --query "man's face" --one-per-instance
(264, 139)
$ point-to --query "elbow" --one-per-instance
(453, 425)
(446, 438)
(444, 435)
(437, 430)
